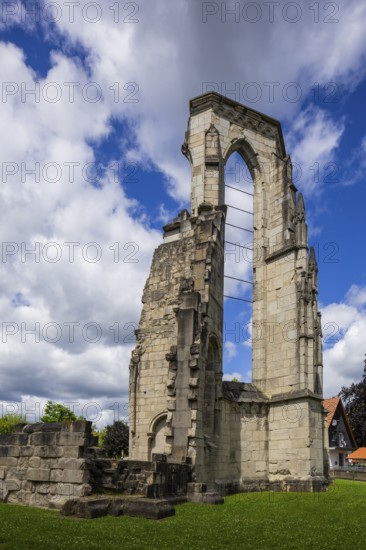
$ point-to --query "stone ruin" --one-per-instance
(235, 435)
(193, 436)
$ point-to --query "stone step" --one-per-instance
(91, 508)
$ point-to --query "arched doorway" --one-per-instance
(157, 438)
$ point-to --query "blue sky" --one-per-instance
(92, 169)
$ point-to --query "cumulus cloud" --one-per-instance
(73, 245)
(344, 327)
(314, 139)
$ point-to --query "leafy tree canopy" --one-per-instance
(115, 441)
(354, 399)
(55, 412)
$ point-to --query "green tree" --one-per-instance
(115, 441)
(9, 421)
(354, 399)
(55, 412)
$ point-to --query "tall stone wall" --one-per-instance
(296, 440)
(243, 443)
(176, 365)
(285, 311)
(46, 464)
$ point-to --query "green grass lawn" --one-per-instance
(335, 519)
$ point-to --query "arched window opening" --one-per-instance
(157, 436)
(238, 270)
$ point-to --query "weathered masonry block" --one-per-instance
(270, 432)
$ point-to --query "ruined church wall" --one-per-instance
(227, 467)
(243, 444)
(253, 442)
(172, 370)
(296, 439)
(208, 280)
(45, 464)
(217, 127)
(280, 441)
(156, 335)
(279, 372)
(175, 372)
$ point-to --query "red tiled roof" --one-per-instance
(359, 454)
(331, 406)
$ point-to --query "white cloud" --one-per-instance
(357, 296)
(344, 327)
(61, 220)
(313, 141)
(11, 15)
(230, 350)
(337, 318)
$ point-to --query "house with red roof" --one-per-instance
(358, 456)
(341, 439)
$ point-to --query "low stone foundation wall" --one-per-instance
(152, 479)
(46, 464)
